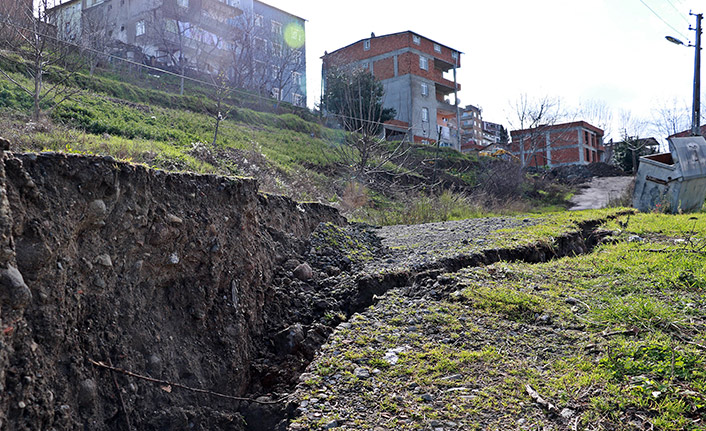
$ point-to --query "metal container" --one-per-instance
(675, 181)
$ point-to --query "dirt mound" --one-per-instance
(171, 276)
(577, 174)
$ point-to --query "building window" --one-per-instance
(437, 47)
(296, 78)
(423, 63)
(454, 55)
(277, 49)
(140, 27)
(275, 72)
(297, 56)
(425, 89)
(276, 93)
(298, 99)
(276, 27)
(425, 114)
(425, 141)
(260, 43)
(416, 39)
(183, 3)
(366, 44)
(258, 20)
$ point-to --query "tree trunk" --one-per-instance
(38, 67)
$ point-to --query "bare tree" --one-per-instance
(628, 152)
(28, 40)
(598, 113)
(671, 117)
(529, 114)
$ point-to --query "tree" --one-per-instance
(671, 117)
(354, 98)
(27, 41)
(598, 113)
(627, 153)
(528, 113)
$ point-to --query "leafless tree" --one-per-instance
(27, 38)
(529, 114)
(671, 117)
(633, 142)
(598, 113)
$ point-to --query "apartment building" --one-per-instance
(419, 78)
(493, 133)
(575, 143)
(257, 46)
(471, 128)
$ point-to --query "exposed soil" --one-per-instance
(206, 299)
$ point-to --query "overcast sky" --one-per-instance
(609, 50)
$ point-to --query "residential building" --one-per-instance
(255, 45)
(471, 128)
(493, 133)
(575, 143)
(419, 79)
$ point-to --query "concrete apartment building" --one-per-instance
(492, 133)
(256, 45)
(418, 75)
(575, 143)
(471, 128)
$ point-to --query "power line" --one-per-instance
(663, 20)
(681, 15)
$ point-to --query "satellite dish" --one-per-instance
(674, 40)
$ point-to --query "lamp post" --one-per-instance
(696, 109)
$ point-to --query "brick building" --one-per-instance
(471, 128)
(575, 143)
(418, 75)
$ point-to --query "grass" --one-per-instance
(616, 337)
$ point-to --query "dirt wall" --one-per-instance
(161, 273)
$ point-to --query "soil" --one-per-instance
(139, 299)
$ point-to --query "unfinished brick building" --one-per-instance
(575, 143)
(419, 78)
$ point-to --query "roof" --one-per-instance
(685, 133)
(393, 34)
(560, 126)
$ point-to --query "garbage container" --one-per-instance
(675, 181)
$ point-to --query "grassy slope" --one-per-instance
(616, 336)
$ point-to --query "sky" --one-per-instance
(612, 51)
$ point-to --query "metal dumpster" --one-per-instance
(675, 181)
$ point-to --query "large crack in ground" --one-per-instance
(349, 294)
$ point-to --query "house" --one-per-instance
(419, 78)
(255, 45)
(685, 133)
(493, 133)
(575, 143)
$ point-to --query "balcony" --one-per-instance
(223, 9)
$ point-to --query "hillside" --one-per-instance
(140, 118)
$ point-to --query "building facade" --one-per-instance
(255, 45)
(471, 128)
(493, 133)
(575, 143)
(419, 79)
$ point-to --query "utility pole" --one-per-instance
(696, 111)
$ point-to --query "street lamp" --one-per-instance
(696, 110)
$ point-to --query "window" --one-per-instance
(437, 47)
(275, 72)
(296, 78)
(276, 93)
(260, 43)
(366, 44)
(423, 63)
(425, 114)
(454, 55)
(425, 89)
(425, 141)
(416, 39)
(276, 27)
(258, 20)
(297, 56)
(277, 49)
(298, 99)
(140, 27)
(183, 3)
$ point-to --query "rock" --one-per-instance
(99, 282)
(171, 218)
(361, 373)
(97, 210)
(87, 392)
(303, 272)
(13, 290)
(567, 413)
(427, 397)
(4, 144)
(290, 264)
(635, 238)
(173, 259)
(154, 363)
(104, 260)
(289, 339)
(332, 424)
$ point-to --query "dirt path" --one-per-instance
(599, 192)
